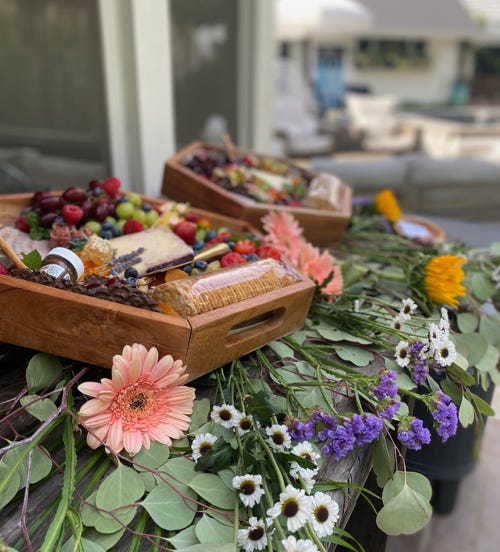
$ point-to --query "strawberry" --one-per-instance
(132, 226)
(3, 269)
(72, 214)
(245, 247)
(192, 217)
(268, 252)
(186, 231)
(231, 259)
(21, 224)
(111, 186)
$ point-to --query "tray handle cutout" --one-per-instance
(255, 326)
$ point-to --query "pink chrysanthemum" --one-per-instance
(284, 232)
(319, 266)
(143, 401)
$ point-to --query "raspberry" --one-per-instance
(186, 230)
(245, 247)
(111, 186)
(3, 269)
(192, 217)
(231, 259)
(132, 226)
(268, 252)
(72, 214)
(21, 224)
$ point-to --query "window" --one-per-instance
(391, 54)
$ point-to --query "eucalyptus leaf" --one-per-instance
(201, 412)
(482, 406)
(178, 472)
(121, 487)
(482, 286)
(460, 375)
(212, 489)
(209, 530)
(103, 522)
(40, 464)
(227, 477)
(472, 345)
(466, 412)
(314, 396)
(169, 509)
(407, 507)
(301, 336)
(467, 322)
(403, 381)
(149, 480)
(452, 390)
(152, 458)
(220, 547)
(489, 327)
(355, 355)
(333, 334)
(14, 484)
(39, 408)
(384, 461)
(106, 540)
(186, 537)
(489, 361)
(282, 349)
(42, 370)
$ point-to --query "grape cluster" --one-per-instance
(102, 208)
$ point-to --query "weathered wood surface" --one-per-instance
(354, 468)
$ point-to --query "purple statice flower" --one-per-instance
(339, 440)
(301, 431)
(420, 371)
(445, 415)
(366, 428)
(414, 434)
(388, 407)
(416, 347)
(387, 385)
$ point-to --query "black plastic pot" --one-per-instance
(445, 464)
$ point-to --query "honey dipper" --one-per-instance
(11, 254)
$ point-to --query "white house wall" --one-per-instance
(432, 85)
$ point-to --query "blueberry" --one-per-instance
(131, 272)
(252, 257)
(187, 269)
(200, 265)
(59, 218)
(146, 207)
(130, 281)
(122, 199)
(245, 256)
(211, 234)
(97, 191)
(106, 234)
(198, 245)
(231, 244)
(107, 225)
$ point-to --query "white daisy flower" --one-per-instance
(202, 443)
(402, 354)
(306, 476)
(294, 505)
(444, 323)
(436, 333)
(254, 536)
(224, 415)
(445, 352)
(399, 321)
(291, 544)
(279, 437)
(250, 487)
(325, 514)
(408, 307)
(243, 423)
(305, 450)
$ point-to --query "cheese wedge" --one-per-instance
(152, 250)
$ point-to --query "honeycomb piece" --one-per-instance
(97, 250)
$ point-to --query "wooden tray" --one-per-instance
(92, 330)
(321, 227)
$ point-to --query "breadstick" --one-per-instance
(11, 254)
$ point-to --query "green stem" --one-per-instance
(55, 529)
(136, 541)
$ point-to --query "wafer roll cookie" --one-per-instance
(206, 292)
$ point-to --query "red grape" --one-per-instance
(74, 194)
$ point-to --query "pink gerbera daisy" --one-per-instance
(143, 401)
(319, 266)
(284, 232)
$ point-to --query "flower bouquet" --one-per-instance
(245, 458)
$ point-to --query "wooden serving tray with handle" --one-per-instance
(93, 330)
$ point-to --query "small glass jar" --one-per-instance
(62, 263)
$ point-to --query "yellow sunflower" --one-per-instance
(387, 205)
(443, 280)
